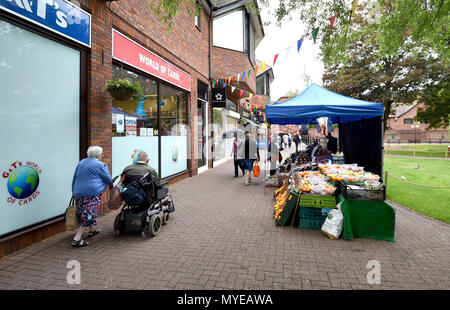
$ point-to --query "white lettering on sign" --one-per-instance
(174, 75)
(41, 10)
(148, 61)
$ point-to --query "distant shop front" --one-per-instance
(225, 121)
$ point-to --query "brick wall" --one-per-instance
(228, 63)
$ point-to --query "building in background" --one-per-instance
(403, 128)
(236, 33)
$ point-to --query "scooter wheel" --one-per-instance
(155, 225)
(165, 218)
(117, 225)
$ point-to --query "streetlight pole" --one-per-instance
(415, 129)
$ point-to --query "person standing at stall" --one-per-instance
(249, 153)
(88, 184)
(237, 162)
(296, 141)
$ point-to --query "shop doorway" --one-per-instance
(202, 135)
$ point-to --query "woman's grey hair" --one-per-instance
(94, 151)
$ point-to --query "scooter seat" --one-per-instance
(162, 193)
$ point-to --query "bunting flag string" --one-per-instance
(262, 67)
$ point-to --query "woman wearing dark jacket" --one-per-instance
(249, 153)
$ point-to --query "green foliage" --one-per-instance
(167, 10)
(123, 83)
(436, 112)
(395, 24)
(398, 78)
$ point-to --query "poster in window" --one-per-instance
(131, 126)
(120, 123)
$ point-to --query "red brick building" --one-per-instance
(403, 128)
(58, 59)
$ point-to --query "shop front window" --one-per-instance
(40, 82)
(135, 123)
(173, 131)
(219, 128)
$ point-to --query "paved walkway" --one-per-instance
(222, 236)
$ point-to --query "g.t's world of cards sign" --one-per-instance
(133, 54)
(59, 16)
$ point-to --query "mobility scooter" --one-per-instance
(147, 207)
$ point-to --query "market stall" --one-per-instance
(312, 189)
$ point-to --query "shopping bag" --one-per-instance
(256, 170)
(71, 215)
(115, 198)
(332, 227)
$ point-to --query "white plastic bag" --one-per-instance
(332, 227)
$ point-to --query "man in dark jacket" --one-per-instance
(139, 169)
(297, 141)
(332, 144)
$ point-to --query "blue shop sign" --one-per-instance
(59, 16)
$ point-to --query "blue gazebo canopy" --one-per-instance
(315, 102)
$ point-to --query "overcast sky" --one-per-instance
(289, 72)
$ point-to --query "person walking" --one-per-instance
(290, 140)
(237, 162)
(248, 152)
(88, 184)
(297, 141)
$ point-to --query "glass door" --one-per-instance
(202, 138)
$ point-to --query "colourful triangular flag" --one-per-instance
(299, 44)
(256, 69)
(286, 53)
(275, 59)
(234, 78)
(315, 33)
(241, 93)
(243, 75)
(233, 88)
(238, 77)
(263, 67)
(248, 73)
(332, 20)
(268, 100)
(251, 95)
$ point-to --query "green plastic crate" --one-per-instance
(288, 210)
(315, 201)
(312, 218)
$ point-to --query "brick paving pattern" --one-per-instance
(222, 236)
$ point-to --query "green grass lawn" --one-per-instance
(432, 172)
(424, 150)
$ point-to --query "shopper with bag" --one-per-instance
(237, 162)
(89, 183)
(249, 153)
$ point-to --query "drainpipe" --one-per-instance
(209, 79)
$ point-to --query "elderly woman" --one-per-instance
(89, 182)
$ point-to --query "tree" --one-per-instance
(420, 24)
(399, 78)
(436, 112)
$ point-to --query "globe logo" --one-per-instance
(175, 153)
(23, 182)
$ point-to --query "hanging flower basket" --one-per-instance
(122, 89)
